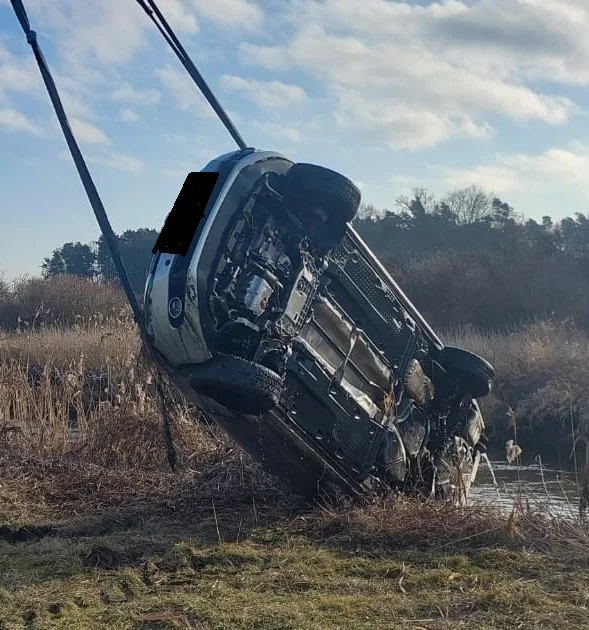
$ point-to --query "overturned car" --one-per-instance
(285, 329)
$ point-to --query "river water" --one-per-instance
(537, 486)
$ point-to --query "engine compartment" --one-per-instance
(264, 279)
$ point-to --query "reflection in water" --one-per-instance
(490, 468)
(535, 487)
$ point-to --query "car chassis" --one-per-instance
(285, 329)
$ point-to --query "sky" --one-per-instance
(392, 94)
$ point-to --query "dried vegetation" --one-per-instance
(542, 375)
(96, 531)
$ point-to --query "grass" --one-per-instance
(156, 550)
(97, 532)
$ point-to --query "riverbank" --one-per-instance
(96, 532)
(83, 546)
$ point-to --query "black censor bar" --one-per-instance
(181, 224)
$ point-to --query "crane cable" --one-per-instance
(93, 196)
(168, 34)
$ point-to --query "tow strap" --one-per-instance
(93, 196)
(168, 34)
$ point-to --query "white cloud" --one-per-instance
(93, 31)
(75, 106)
(178, 16)
(85, 132)
(497, 179)
(418, 74)
(128, 115)
(230, 13)
(565, 165)
(95, 37)
(265, 94)
(128, 94)
(187, 95)
(398, 125)
(18, 74)
(278, 131)
(116, 161)
(12, 120)
(565, 168)
(76, 96)
(120, 162)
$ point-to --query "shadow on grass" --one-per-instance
(67, 519)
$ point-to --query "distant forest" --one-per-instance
(467, 258)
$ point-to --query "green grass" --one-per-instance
(172, 553)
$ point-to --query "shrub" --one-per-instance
(494, 290)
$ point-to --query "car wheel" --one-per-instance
(238, 384)
(473, 373)
(338, 196)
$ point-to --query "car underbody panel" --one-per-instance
(295, 339)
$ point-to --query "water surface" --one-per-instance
(536, 485)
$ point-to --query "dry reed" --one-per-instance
(80, 429)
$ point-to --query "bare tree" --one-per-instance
(470, 204)
(422, 202)
(370, 211)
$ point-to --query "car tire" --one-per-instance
(337, 194)
(473, 373)
(238, 384)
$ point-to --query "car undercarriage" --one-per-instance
(311, 345)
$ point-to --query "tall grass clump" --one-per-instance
(87, 393)
(63, 300)
(542, 376)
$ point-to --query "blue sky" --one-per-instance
(393, 94)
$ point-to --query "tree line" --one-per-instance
(467, 219)
(466, 258)
(470, 259)
(93, 260)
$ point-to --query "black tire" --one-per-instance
(238, 384)
(475, 374)
(336, 194)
